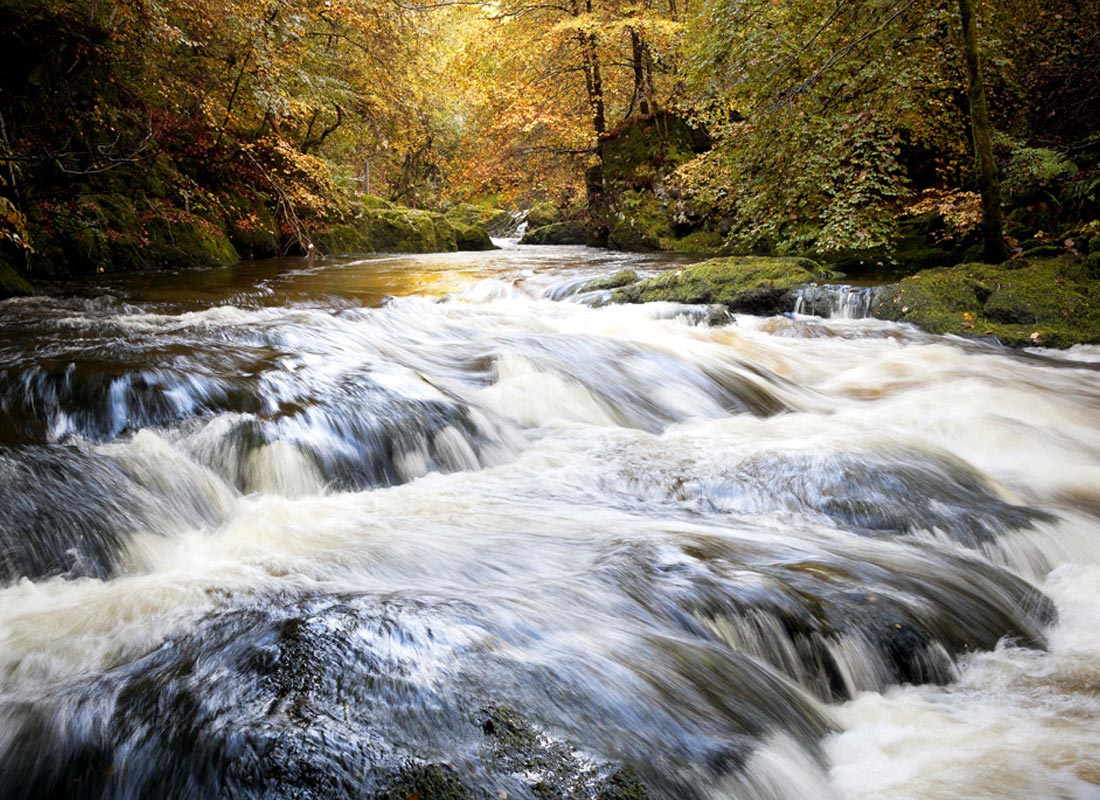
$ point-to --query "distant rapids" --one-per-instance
(451, 527)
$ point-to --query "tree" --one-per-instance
(989, 186)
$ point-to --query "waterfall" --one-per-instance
(836, 301)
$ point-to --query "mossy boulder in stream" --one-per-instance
(476, 223)
(386, 228)
(542, 214)
(747, 284)
(1053, 302)
(571, 232)
(624, 277)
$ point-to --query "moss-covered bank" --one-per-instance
(378, 226)
(751, 285)
(12, 284)
(1053, 302)
(119, 232)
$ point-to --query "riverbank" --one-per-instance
(114, 233)
(1029, 301)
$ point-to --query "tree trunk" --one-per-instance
(593, 79)
(989, 184)
(641, 94)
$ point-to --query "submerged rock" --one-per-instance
(753, 285)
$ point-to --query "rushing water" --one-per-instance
(443, 522)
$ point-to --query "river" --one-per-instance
(443, 527)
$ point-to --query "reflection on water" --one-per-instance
(437, 526)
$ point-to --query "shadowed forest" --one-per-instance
(144, 134)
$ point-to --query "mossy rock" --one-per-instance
(542, 214)
(624, 277)
(643, 149)
(425, 782)
(375, 202)
(445, 235)
(113, 233)
(12, 284)
(1053, 302)
(178, 239)
(1092, 265)
(160, 177)
(572, 232)
(746, 284)
(493, 220)
(391, 230)
(639, 223)
(472, 237)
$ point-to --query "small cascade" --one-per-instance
(494, 544)
(836, 301)
(514, 228)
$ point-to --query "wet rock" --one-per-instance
(743, 284)
(426, 782)
(572, 232)
(83, 536)
(472, 238)
(623, 277)
(1055, 298)
(382, 227)
(315, 702)
(542, 215)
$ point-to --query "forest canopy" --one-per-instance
(753, 125)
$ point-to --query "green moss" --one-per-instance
(623, 784)
(425, 782)
(573, 232)
(746, 284)
(391, 230)
(159, 178)
(1055, 298)
(472, 237)
(542, 214)
(374, 202)
(698, 242)
(646, 148)
(490, 218)
(624, 277)
(445, 236)
(638, 223)
(12, 284)
(180, 239)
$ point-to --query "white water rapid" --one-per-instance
(448, 527)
